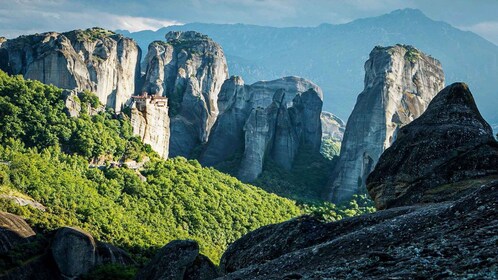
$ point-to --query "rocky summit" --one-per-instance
(266, 119)
(400, 81)
(189, 69)
(94, 59)
(448, 150)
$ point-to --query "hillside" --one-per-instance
(333, 55)
(44, 157)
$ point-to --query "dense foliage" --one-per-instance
(330, 147)
(304, 182)
(34, 113)
(44, 154)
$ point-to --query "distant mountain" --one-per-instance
(333, 55)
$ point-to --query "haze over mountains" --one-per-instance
(333, 55)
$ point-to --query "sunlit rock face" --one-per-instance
(150, 121)
(95, 59)
(400, 81)
(189, 69)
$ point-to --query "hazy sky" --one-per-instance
(30, 16)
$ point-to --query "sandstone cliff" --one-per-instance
(150, 121)
(400, 81)
(95, 59)
(447, 144)
(268, 118)
(189, 69)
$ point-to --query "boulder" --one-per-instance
(179, 260)
(74, 252)
(94, 59)
(443, 153)
(13, 231)
(400, 81)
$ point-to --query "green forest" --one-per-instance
(74, 167)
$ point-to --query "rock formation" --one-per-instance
(188, 69)
(73, 252)
(95, 59)
(179, 260)
(440, 182)
(400, 81)
(64, 254)
(13, 230)
(150, 121)
(268, 118)
(448, 143)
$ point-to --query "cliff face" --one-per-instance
(448, 143)
(150, 121)
(400, 81)
(94, 59)
(268, 118)
(189, 69)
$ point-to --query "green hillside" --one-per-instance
(44, 155)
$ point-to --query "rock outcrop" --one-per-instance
(189, 69)
(73, 252)
(64, 254)
(451, 240)
(95, 59)
(400, 81)
(179, 260)
(431, 156)
(266, 119)
(13, 231)
(150, 121)
(446, 159)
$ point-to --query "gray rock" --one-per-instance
(94, 59)
(74, 252)
(266, 119)
(431, 156)
(400, 81)
(189, 69)
(13, 231)
(445, 240)
(179, 260)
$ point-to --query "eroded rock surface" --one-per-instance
(449, 143)
(95, 59)
(400, 81)
(189, 68)
(444, 240)
(266, 119)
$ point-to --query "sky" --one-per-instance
(31, 16)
